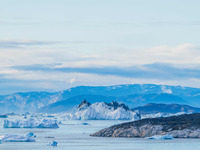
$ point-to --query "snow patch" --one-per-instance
(165, 90)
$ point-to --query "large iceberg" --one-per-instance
(16, 138)
(104, 111)
(31, 123)
(161, 137)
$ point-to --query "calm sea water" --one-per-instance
(74, 136)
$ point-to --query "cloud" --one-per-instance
(24, 43)
(177, 65)
(82, 57)
(56, 81)
(51, 78)
(149, 71)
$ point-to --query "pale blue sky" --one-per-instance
(91, 37)
(127, 23)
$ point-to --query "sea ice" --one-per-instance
(84, 123)
(161, 137)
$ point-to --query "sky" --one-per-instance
(48, 45)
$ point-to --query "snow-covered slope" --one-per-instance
(29, 101)
(104, 111)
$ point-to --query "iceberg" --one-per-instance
(161, 137)
(16, 138)
(30, 134)
(85, 123)
(31, 123)
(104, 111)
(53, 143)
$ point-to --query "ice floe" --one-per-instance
(30, 134)
(161, 137)
(53, 143)
(15, 138)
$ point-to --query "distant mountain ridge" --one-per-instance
(68, 104)
(132, 95)
(153, 108)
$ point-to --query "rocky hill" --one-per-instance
(183, 126)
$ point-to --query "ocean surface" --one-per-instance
(72, 135)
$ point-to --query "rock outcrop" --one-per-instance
(183, 126)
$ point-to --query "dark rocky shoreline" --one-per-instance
(183, 126)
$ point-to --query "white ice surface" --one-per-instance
(16, 138)
(101, 111)
(161, 137)
(31, 123)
